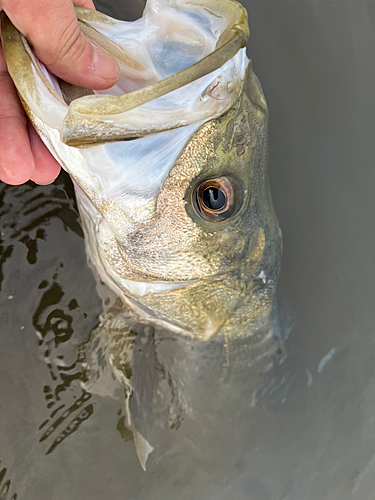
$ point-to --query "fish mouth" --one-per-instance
(89, 118)
(132, 292)
(135, 289)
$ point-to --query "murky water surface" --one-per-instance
(297, 425)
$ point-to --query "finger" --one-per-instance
(46, 167)
(85, 3)
(52, 29)
(16, 159)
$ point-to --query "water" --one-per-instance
(304, 429)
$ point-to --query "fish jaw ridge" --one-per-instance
(142, 288)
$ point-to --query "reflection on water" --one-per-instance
(53, 327)
(30, 216)
(5, 485)
(27, 213)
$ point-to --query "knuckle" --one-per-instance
(65, 45)
(70, 47)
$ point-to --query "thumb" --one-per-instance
(53, 31)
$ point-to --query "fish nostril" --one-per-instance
(241, 140)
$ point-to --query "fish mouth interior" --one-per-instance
(166, 40)
(136, 169)
(132, 152)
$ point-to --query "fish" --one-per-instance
(170, 172)
(171, 175)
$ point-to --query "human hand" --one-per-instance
(51, 28)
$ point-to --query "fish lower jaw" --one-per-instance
(146, 312)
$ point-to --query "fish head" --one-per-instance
(202, 250)
(171, 177)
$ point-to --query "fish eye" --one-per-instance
(216, 199)
(213, 198)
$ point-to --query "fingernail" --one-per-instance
(105, 66)
(43, 183)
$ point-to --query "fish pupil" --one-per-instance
(213, 198)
